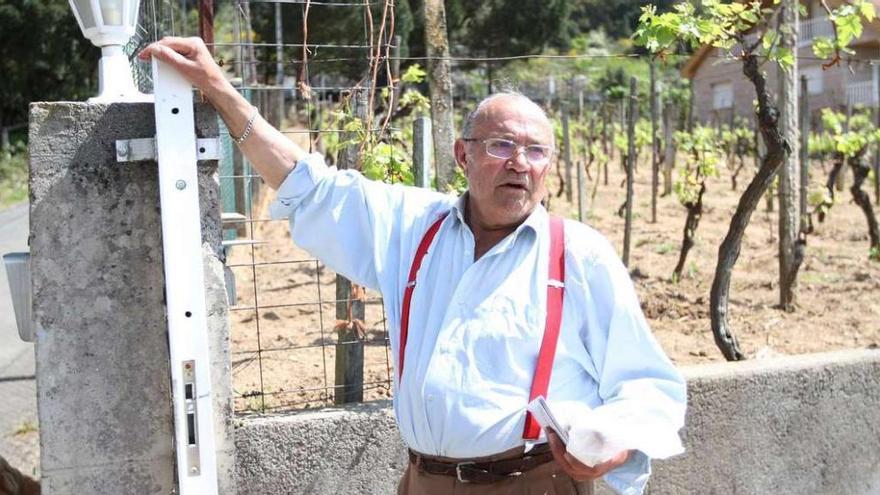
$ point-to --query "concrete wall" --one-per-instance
(795, 425)
(103, 381)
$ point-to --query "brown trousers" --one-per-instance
(546, 479)
(12, 482)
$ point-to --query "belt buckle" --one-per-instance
(458, 470)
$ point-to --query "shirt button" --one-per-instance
(430, 397)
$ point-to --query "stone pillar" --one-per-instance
(103, 380)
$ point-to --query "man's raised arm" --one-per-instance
(270, 152)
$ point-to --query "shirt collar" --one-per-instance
(536, 221)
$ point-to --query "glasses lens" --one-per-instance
(537, 154)
(500, 148)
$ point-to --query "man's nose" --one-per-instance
(518, 161)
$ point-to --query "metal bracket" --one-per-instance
(144, 149)
(242, 242)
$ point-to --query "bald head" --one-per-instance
(502, 99)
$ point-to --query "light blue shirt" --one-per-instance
(476, 326)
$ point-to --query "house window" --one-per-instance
(722, 96)
(814, 79)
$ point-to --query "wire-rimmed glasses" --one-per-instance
(505, 149)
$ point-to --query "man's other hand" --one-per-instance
(191, 58)
(575, 468)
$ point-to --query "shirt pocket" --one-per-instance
(502, 339)
(504, 317)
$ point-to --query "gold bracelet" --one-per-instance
(247, 129)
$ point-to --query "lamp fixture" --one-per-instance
(109, 24)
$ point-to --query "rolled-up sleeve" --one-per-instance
(639, 387)
(298, 184)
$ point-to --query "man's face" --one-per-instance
(504, 192)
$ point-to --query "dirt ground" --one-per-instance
(287, 346)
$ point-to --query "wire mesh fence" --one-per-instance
(286, 309)
(286, 337)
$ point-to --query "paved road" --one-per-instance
(19, 442)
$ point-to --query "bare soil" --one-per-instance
(287, 347)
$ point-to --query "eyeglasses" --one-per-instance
(505, 149)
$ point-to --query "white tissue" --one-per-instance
(597, 435)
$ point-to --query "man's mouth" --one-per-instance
(514, 185)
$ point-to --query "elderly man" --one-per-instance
(490, 301)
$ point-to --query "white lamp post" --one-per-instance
(109, 24)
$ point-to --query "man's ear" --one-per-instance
(461, 155)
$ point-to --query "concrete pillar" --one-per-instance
(103, 381)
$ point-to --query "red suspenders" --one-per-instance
(411, 285)
(555, 291)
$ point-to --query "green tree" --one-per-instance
(43, 57)
(619, 18)
(852, 138)
(500, 28)
(739, 143)
(701, 148)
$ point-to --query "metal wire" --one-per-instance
(257, 315)
(321, 322)
(289, 305)
(483, 60)
(322, 345)
(313, 88)
(266, 263)
(323, 4)
(293, 45)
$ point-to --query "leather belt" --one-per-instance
(484, 471)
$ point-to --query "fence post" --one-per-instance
(238, 65)
(580, 105)
(582, 201)
(805, 154)
(103, 379)
(566, 145)
(841, 176)
(655, 143)
(668, 149)
(630, 166)
(877, 146)
(206, 23)
(606, 149)
(350, 298)
(279, 64)
(422, 152)
(395, 75)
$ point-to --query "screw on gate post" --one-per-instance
(181, 185)
(122, 151)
